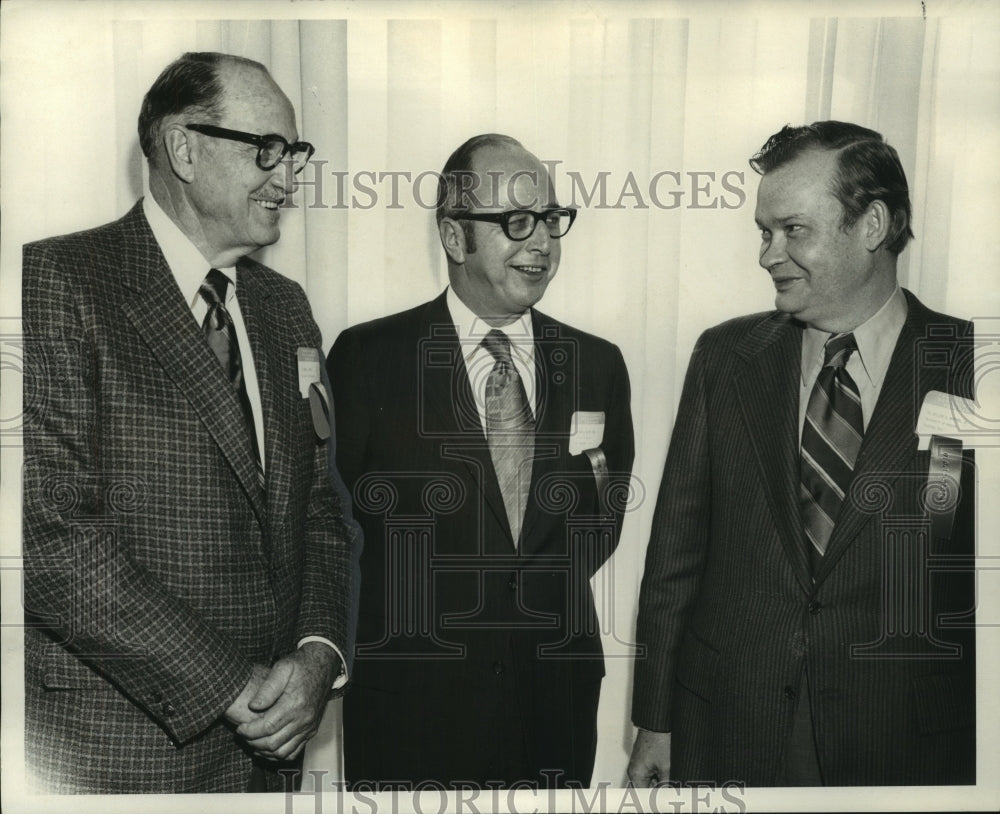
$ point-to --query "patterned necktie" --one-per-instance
(221, 335)
(831, 438)
(510, 430)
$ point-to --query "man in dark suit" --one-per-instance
(488, 448)
(187, 577)
(806, 604)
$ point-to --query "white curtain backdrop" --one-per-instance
(631, 94)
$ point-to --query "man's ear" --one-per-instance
(179, 150)
(875, 223)
(453, 239)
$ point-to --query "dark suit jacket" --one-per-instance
(464, 643)
(157, 570)
(729, 614)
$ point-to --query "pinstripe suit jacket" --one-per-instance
(729, 614)
(157, 569)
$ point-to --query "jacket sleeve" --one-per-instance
(346, 370)
(103, 613)
(622, 452)
(619, 449)
(334, 542)
(676, 552)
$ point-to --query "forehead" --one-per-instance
(251, 101)
(510, 177)
(804, 185)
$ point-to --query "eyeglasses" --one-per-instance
(271, 149)
(519, 224)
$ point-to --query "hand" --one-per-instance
(649, 764)
(239, 712)
(291, 699)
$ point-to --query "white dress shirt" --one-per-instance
(479, 362)
(189, 268)
(876, 340)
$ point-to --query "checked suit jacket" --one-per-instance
(471, 651)
(729, 614)
(157, 569)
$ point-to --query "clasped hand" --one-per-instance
(280, 709)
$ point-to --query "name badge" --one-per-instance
(949, 416)
(586, 431)
(309, 371)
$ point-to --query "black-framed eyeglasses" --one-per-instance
(271, 149)
(519, 224)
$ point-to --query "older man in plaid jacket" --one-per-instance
(187, 554)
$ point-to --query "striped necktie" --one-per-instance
(510, 430)
(221, 335)
(831, 438)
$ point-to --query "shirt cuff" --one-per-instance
(341, 678)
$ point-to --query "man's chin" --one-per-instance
(532, 295)
(267, 237)
(788, 304)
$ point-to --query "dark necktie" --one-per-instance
(831, 438)
(221, 335)
(510, 430)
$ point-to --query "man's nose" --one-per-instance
(772, 252)
(540, 239)
(283, 176)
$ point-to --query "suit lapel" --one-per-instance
(163, 321)
(890, 440)
(276, 379)
(552, 418)
(767, 386)
(445, 390)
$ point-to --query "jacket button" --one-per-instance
(156, 697)
(789, 693)
(815, 607)
(512, 582)
(169, 710)
(498, 667)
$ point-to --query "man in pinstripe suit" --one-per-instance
(187, 555)
(779, 654)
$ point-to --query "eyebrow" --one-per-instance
(783, 219)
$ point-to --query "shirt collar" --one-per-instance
(187, 264)
(876, 338)
(471, 328)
